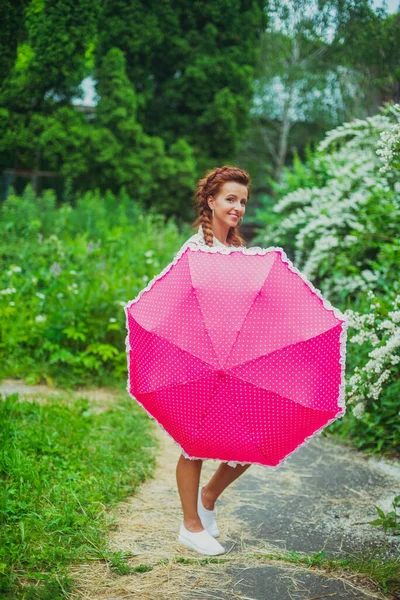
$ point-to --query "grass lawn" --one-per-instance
(63, 463)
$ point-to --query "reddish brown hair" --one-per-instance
(211, 185)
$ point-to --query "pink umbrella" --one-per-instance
(236, 354)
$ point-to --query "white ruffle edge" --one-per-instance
(254, 250)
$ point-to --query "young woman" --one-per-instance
(220, 201)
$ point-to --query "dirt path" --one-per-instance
(312, 503)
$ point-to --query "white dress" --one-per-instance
(194, 242)
(198, 240)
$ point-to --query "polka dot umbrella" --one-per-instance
(236, 354)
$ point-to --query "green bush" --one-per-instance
(66, 272)
(338, 219)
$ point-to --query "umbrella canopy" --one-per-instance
(236, 354)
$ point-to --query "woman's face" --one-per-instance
(230, 203)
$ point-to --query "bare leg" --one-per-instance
(188, 479)
(222, 477)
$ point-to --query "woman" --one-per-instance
(220, 202)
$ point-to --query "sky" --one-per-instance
(392, 5)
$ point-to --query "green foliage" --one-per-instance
(174, 83)
(341, 227)
(368, 45)
(377, 431)
(60, 35)
(122, 154)
(338, 219)
(49, 64)
(10, 34)
(119, 564)
(66, 273)
(193, 64)
(61, 463)
(390, 522)
(321, 63)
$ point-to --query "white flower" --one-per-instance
(112, 320)
(387, 147)
(145, 278)
(55, 269)
(40, 318)
(14, 269)
(60, 295)
(354, 379)
(8, 291)
(395, 316)
(12, 303)
(359, 410)
(34, 280)
(369, 275)
(39, 295)
(387, 324)
(73, 272)
(149, 253)
(370, 379)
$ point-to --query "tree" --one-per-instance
(175, 82)
(297, 83)
(192, 65)
(367, 44)
(122, 154)
(43, 72)
(11, 33)
(322, 62)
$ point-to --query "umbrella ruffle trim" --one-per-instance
(255, 250)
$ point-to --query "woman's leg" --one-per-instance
(188, 479)
(222, 477)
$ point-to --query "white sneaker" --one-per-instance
(201, 541)
(207, 517)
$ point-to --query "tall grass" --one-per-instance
(65, 273)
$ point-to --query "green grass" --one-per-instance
(61, 466)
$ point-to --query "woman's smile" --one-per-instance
(228, 208)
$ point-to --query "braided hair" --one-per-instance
(211, 184)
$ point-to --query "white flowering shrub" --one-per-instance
(343, 232)
(373, 390)
(338, 218)
(388, 147)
